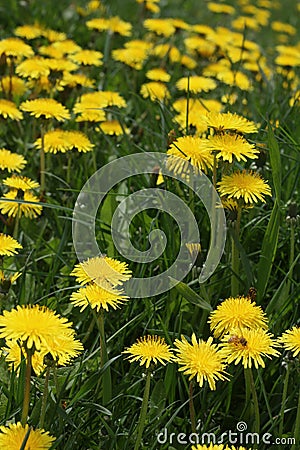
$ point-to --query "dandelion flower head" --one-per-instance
(236, 312)
(290, 340)
(150, 349)
(201, 360)
(13, 435)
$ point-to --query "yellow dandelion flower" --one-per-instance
(248, 186)
(196, 84)
(30, 206)
(201, 46)
(34, 325)
(236, 312)
(29, 31)
(9, 110)
(191, 112)
(155, 91)
(283, 27)
(228, 146)
(220, 8)
(194, 248)
(229, 121)
(103, 271)
(7, 280)
(246, 22)
(12, 162)
(91, 113)
(201, 360)
(12, 437)
(62, 141)
(47, 107)
(112, 127)
(132, 55)
(96, 297)
(248, 346)
(8, 245)
(162, 27)
(13, 84)
(150, 5)
(114, 24)
(33, 68)
(103, 99)
(291, 340)
(54, 141)
(235, 78)
(14, 353)
(188, 62)
(66, 46)
(91, 7)
(51, 51)
(189, 149)
(87, 57)
(77, 79)
(15, 47)
(61, 65)
(63, 349)
(78, 141)
(148, 350)
(288, 60)
(53, 35)
(167, 50)
(158, 74)
(19, 182)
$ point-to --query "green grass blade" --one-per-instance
(268, 252)
(190, 295)
(275, 161)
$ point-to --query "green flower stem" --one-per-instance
(292, 255)
(17, 222)
(297, 427)
(106, 375)
(45, 397)
(42, 161)
(26, 399)
(235, 257)
(69, 166)
(192, 408)
(143, 413)
(283, 401)
(250, 389)
(215, 171)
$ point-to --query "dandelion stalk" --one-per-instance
(45, 397)
(235, 261)
(106, 375)
(292, 254)
(250, 388)
(143, 413)
(191, 407)
(26, 399)
(42, 161)
(283, 401)
(17, 222)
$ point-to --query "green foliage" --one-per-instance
(92, 405)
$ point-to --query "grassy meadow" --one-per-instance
(215, 87)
